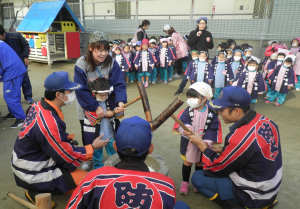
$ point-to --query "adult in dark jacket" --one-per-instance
(200, 40)
(19, 44)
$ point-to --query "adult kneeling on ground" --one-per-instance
(129, 183)
(247, 172)
(45, 157)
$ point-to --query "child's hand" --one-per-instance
(152, 67)
(289, 87)
(100, 112)
(208, 39)
(109, 114)
(230, 82)
(136, 68)
(209, 82)
(170, 63)
(189, 80)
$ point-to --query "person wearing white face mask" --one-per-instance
(52, 150)
(282, 78)
(200, 70)
(295, 46)
(247, 52)
(252, 80)
(200, 119)
(237, 63)
(94, 126)
(223, 75)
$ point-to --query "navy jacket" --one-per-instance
(19, 44)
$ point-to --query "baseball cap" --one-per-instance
(60, 80)
(135, 133)
(231, 96)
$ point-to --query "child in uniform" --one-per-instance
(165, 59)
(295, 46)
(173, 50)
(200, 70)
(123, 62)
(106, 126)
(144, 62)
(296, 68)
(223, 75)
(220, 47)
(128, 55)
(282, 78)
(247, 52)
(137, 48)
(116, 43)
(154, 51)
(237, 62)
(252, 80)
(231, 43)
(229, 54)
(200, 119)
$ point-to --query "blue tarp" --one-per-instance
(42, 14)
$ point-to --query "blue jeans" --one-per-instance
(275, 94)
(297, 85)
(163, 73)
(209, 186)
(217, 92)
(12, 96)
(98, 154)
(26, 86)
(170, 71)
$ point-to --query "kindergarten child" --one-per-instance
(247, 52)
(200, 71)
(123, 62)
(237, 63)
(231, 43)
(154, 51)
(165, 59)
(129, 56)
(144, 62)
(94, 126)
(282, 79)
(223, 75)
(229, 54)
(116, 43)
(170, 69)
(295, 46)
(200, 119)
(296, 68)
(252, 80)
(220, 47)
(136, 48)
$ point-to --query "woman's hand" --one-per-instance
(98, 143)
(208, 39)
(199, 33)
(100, 112)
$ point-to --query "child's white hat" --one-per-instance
(274, 56)
(202, 88)
(293, 57)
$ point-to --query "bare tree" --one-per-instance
(24, 5)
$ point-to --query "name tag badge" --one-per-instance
(224, 72)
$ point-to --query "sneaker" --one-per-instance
(297, 89)
(195, 190)
(268, 102)
(153, 82)
(161, 81)
(18, 123)
(87, 165)
(178, 92)
(276, 104)
(266, 97)
(170, 79)
(131, 81)
(176, 76)
(146, 85)
(184, 188)
(30, 196)
(127, 84)
(166, 82)
(29, 100)
(9, 116)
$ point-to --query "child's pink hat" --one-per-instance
(145, 41)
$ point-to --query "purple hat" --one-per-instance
(135, 133)
(202, 18)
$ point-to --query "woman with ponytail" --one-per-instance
(141, 34)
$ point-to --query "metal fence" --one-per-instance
(238, 19)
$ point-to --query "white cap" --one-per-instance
(202, 88)
(167, 27)
(293, 57)
(152, 41)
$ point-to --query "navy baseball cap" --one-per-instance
(135, 133)
(231, 96)
(60, 80)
